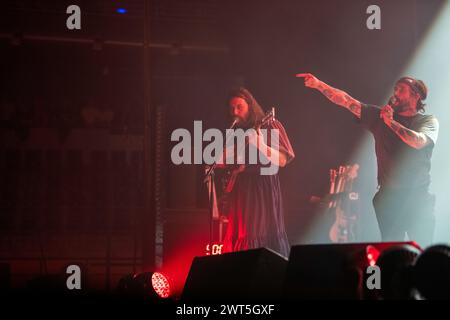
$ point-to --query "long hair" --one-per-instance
(256, 113)
(420, 106)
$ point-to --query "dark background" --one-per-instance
(81, 184)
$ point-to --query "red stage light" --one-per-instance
(372, 254)
(161, 285)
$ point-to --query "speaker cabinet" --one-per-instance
(252, 275)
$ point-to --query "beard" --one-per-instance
(400, 106)
(244, 124)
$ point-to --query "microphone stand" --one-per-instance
(209, 177)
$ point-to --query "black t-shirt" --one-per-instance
(399, 165)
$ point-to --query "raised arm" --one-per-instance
(336, 96)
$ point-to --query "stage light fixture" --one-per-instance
(155, 285)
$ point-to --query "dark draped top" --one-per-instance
(255, 206)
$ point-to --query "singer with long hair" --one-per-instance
(255, 206)
(404, 142)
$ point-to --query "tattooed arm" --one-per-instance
(337, 96)
(414, 139)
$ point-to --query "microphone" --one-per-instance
(392, 101)
(235, 122)
(213, 166)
